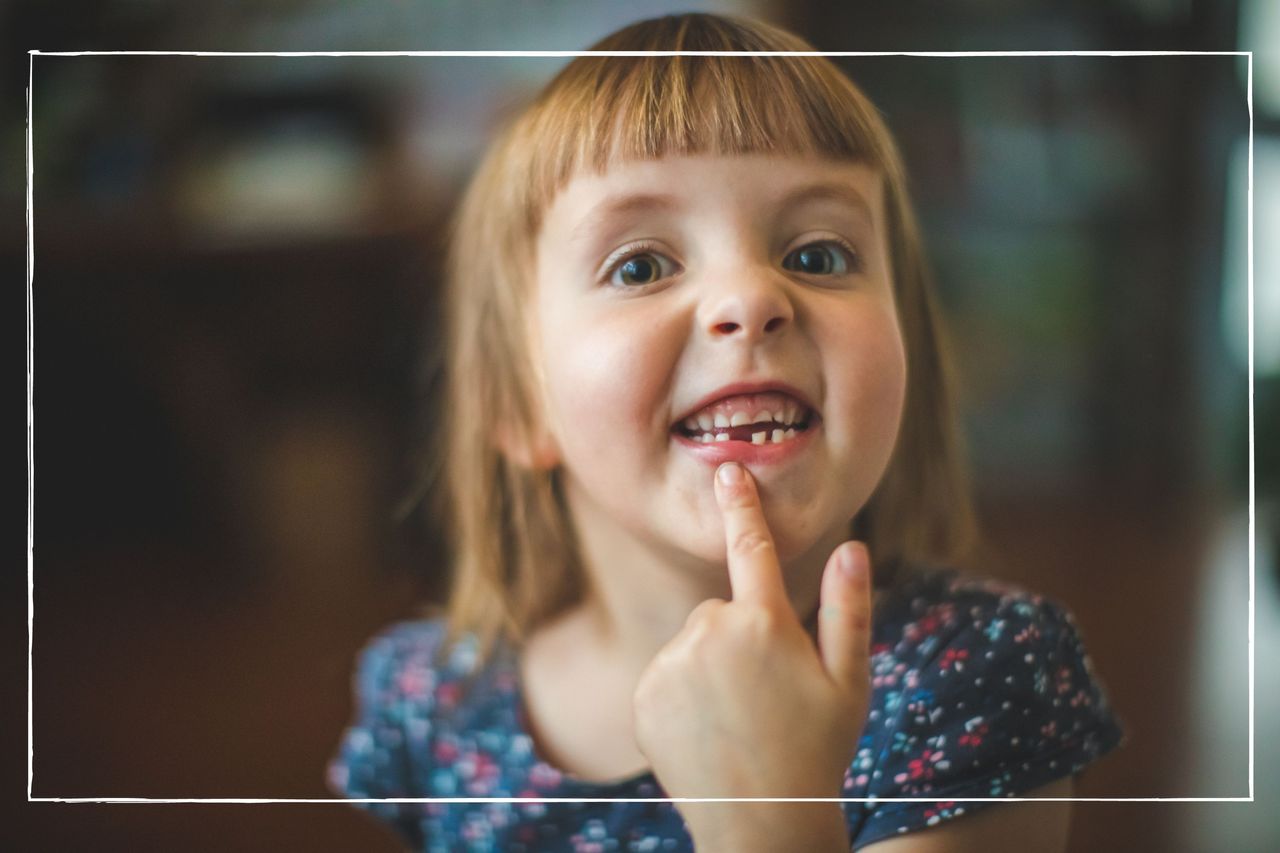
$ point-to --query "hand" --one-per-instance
(739, 703)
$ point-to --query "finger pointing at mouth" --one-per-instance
(754, 572)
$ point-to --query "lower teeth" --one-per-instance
(776, 436)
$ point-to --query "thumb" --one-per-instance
(844, 616)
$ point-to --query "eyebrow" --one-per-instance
(828, 191)
(623, 205)
(631, 203)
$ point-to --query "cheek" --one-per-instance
(873, 369)
(608, 383)
(889, 386)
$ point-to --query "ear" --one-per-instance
(538, 453)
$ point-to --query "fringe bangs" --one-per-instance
(601, 110)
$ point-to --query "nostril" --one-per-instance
(729, 328)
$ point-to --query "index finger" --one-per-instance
(754, 572)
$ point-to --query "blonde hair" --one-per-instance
(515, 558)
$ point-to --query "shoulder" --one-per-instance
(403, 646)
(406, 639)
(980, 689)
(947, 622)
(973, 646)
(405, 677)
(935, 599)
(414, 668)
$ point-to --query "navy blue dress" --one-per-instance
(979, 690)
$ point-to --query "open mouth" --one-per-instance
(783, 421)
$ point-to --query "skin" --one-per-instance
(629, 361)
(698, 590)
(741, 673)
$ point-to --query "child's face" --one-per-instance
(717, 293)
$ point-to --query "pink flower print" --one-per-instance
(888, 678)
(954, 657)
(941, 811)
(1049, 729)
(925, 626)
(481, 773)
(447, 694)
(486, 767)
(922, 768)
(543, 775)
(446, 751)
(1027, 634)
(1063, 681)
(974, 736)
(413, 683)
(476, 829)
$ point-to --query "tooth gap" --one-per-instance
(803, 418)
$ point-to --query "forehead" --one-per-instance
(759, 183)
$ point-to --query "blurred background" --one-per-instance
(235, 310)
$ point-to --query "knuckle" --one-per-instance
(705, 611)
(704, 648)
(763, 620)
(701, 642)
(751, 541)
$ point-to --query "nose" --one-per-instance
(749, 305)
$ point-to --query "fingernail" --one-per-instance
(852, 563)
(730, 473)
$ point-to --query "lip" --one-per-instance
(715, 453)
(749, 388)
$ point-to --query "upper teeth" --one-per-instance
(776, 415)
(704, 422)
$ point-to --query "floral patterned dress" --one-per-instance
(979, 690)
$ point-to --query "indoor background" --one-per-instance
(234, 311)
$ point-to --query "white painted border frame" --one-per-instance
(31, 54)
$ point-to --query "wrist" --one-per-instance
(766, 827)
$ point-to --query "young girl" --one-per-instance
(692, 351)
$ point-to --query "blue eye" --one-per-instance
(640, 269)
(825, 258)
